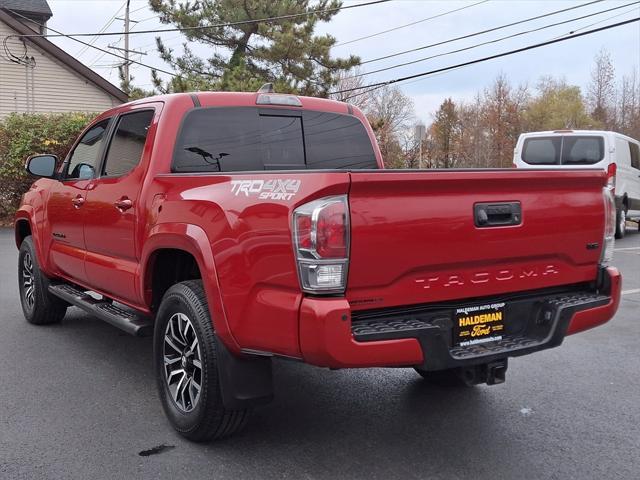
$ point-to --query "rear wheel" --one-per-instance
(621, 222)
(186, 366)
(38, 305)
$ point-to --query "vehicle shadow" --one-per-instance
(378, 422)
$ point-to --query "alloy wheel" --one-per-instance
(28, 284)
(182, 362)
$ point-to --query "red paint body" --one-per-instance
(413, 240)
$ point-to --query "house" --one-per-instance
(36, 76)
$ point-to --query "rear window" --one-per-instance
(563, 150)
(253, 139)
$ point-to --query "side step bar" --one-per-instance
(124, 319)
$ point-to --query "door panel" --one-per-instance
(111, 210)
(66, 210)
(66, 220)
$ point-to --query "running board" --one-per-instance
(124, 319)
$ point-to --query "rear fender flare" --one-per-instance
(193, 240)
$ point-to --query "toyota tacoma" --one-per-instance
(236, 228)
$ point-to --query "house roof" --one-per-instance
(38, 7)
(59, 54)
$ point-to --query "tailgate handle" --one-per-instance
(497, 214)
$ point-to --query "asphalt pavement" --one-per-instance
(78, 401)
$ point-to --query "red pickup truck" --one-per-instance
(239, 227)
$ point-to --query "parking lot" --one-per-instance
(78, 400)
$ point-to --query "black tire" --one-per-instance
(38, 305)
(201, 417)
(443, 378)
(621, 220)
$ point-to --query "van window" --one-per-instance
(563, 150)
(634, 149)
(582, 150)
(542, 150)
(252, 139)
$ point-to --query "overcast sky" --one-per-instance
(572, 59)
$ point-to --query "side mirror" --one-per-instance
(42, 165)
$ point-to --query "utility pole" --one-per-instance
(126, 43)
(125, 66)
(419, 132)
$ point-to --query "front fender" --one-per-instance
(193, 240)
(27, 213)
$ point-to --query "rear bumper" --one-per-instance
(331, 335)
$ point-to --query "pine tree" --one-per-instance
(243, 57)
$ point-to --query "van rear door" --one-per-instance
(562, 150)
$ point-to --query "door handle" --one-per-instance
(124, 204)
(77, 201)
(497, 214)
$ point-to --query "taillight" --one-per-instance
(611, 177)
(321, 239)
(609, 225)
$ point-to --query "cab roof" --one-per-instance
(248, 99)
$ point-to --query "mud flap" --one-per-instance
(244, 381)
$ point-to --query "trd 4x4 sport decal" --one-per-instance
(276, 189)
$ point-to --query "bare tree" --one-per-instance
(629, 105)
(503, 117)
(446, 133)
(601, 92)
(474, 140)
(358, 94)
(390, 113)
(392, 107)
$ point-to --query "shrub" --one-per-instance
(22, 135)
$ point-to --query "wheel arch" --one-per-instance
(184, 241)
(22, 229)
(25, 225)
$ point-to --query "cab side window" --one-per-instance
(84, 160)
(125, 149)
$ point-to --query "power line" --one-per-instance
(60, 34)
(220, 25)
(475, 34)
(517, 34)
(100, 55)
(458, 68)
(377, 85)
(139, 8)
(596, 23)
(102, 30)
(409, 24)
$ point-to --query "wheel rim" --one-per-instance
(182, 362)
(623, 221)
(28, 284)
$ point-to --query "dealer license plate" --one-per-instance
(479, 324)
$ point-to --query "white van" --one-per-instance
(588, 149)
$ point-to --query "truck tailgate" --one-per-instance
(414, 238)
